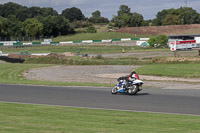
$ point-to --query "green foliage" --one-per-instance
(56, 25)
(124, 9)
(126, 18)
(81, 24)
(136, 20)
(96, 20)
(73, 14)
(188, 15)
(185, 15)
(32, 27)
(3, 27)
(22, 12)
(10, 8)
(91, 29)
(96, 14)
(171, 20)
(20, 20)
(14, 26)
(47, 11)
(62, 26)
(158, 41)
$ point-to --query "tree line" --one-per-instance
(182, 15)
(17, 20)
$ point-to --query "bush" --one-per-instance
(98, 20)
(98, 57)
(91, 29)
(158, 41)
(81, 24)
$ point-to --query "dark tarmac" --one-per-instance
(148, 100)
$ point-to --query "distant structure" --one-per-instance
(183, 42)
(185, 3)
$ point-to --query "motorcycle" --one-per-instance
(127, 87)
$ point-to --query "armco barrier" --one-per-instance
(74, 42)
(36, 43)
(17, 44)
(96, 41)
(54, 42)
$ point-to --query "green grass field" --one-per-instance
(24, 118)
(83, 49)
(171, 70)
(96, 36)
(96, 60)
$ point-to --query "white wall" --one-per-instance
(197, 40)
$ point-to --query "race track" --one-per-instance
(148, 100)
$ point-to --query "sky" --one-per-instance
(108, 8)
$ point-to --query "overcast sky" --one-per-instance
(108, 8)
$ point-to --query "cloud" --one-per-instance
(78, 2)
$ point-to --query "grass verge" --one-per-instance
(19, 118)
(171, 70)
(97, 60)
(82, 49)
(96, 36)
(12, 73)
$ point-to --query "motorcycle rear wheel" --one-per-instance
(133, 89)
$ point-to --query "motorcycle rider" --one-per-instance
(131, 77)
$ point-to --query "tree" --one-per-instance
(44, 12)
(171, 20)
(98, 20)
(96, 14)
(123, 9)
(126, 18)
(161, 15)
(188, 15)
(156, 22)
(10, 8)
(3, 27)
(63, 27)
(73, 14)
(117, 21)
(35, 11)
(185, 15)
(56, 25)
(136, 20)
(32, 27)
(48, 11)
(14, 26)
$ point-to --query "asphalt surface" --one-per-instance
(148, 100)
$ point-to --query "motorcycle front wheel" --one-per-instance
(114, 90)
(132, 90)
